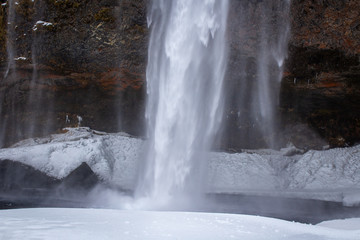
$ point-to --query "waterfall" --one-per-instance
(185, 71)
(261, 30)
(11, 53)
(38, 111)
(271, 58)
(20, 117)
(10, 39)
(33, 95)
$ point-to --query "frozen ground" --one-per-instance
(325, 175)
(103, 224)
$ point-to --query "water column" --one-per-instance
(38, 110)
(274, 35)
(186, 66)
(10, 39)
(259, 34)
(11, 53)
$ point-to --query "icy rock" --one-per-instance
(15, 176)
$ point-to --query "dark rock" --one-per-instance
(321, 85)
(23, 186)
(80, 179)
(303, 137)
(2, 35)
(19, 178)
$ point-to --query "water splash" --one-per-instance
(186, 66)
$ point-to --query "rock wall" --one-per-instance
(78, 58)
(319, 95)
(321, 86)
(252, 87)
(91, 60)
(2, 35)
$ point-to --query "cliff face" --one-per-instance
(88, 58)
(257, 33)
(2, 35)
(321, 86)
(74, 58)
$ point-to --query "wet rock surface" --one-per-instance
(23, 186)
(74, 58)
(322, 78)
(15, 176)
(255, 29)
(2, 34)
(91, 62)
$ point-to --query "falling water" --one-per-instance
(10, 39)
(186, 66)
(11, 53)
(271, 57)
(12, 126)
(35, 103)
(257, 63)
(33, 95)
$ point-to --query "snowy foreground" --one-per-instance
(332, 175)
(103, 224)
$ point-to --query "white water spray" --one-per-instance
(186, 66)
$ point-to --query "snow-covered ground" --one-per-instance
(326, 175)
(105, 224)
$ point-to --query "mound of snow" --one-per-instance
(113, 157)
(334, 168)
(104, 224)
(232, 172)
(345, 224)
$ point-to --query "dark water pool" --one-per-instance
(291, 209)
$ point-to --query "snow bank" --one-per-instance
(334, 168)
(104, 224)
(113, 157)
(240, 171)
(327, 175)
(332, 175)
(345, 224)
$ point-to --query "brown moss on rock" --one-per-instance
(66, 3)
(105, 15)
(321, 86)
(326, 24)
